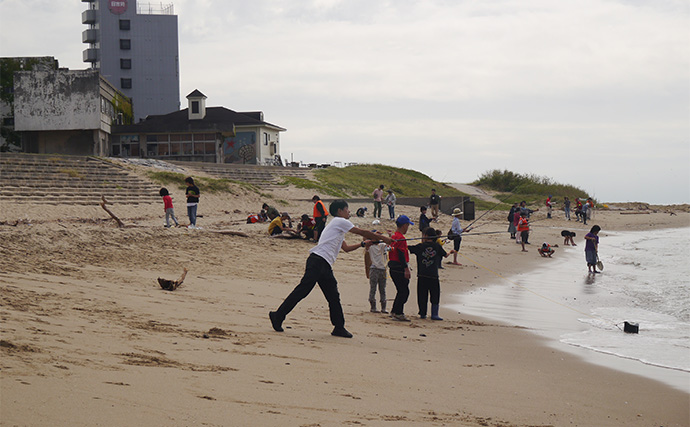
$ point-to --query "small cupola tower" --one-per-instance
(196, 102)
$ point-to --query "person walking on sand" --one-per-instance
(378, 198)
(192, 193)
(424, 220)
(390, 202)
(319, 268)
(398, 264)
(428, 253)
(434, 204)
(456, 231)
(523, 229)
(168, 206)
(592, 249)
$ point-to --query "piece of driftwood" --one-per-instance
(634, 213)
(105, 202)
(230, 233)
(171, 285)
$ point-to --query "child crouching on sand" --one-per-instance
(319, 269)
(168, 207)
(428, 253)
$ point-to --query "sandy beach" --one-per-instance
(90, 338)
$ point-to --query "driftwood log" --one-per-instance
(171, 285)
(230, 233)
(112, 215)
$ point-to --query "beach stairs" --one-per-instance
(265, 177)
(73, 180)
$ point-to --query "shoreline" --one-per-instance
(553, 319)
(89, 336)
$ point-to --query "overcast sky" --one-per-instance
(591, 93)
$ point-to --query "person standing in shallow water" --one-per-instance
(592, 249)
(319, 268)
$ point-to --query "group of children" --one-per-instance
(319, 270)
(192, 194)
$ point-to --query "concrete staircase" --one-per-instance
(267, 177)
(74, 180)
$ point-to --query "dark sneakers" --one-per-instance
(341, 332)
(276, 322)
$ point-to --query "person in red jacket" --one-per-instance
(168, 207)
(320, 216)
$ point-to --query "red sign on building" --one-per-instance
(118, 7)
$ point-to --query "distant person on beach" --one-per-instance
(584, 212)
(590, 208)
(549, 207)
(568, 237)
(168, 207)
(424, 220)
(511, 220)
(306, 226)
(456, 231)
(280, 227)
(270, 211)
(375, 267)
(361, 212)
(398, 265)
(523, 229)
(319, 269)
(434, 204)
(378, 198)
(390, 202)
(546, 250)
(524, 208)
(578, 209)
(192, 193)
(428, 253)
(592, 249)
(516, 220)
(566, 208)
(320, 217)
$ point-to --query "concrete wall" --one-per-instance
(56, 100)
(69, 142)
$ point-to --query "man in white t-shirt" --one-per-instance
(319, 268)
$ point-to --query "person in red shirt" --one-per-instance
(523, 229)
(168, 207)
(398, 264)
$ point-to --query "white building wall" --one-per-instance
(56, 100)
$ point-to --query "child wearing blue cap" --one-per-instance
(398, 264)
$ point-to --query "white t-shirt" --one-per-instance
(331, 239)
(377, 252)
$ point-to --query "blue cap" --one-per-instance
(402, 220)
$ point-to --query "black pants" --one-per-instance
(427, 286)
(318, 270)
(402, 286)
(320, 225)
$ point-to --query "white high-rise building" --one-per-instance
(135, 47)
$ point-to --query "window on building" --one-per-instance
(266, 138)
(126, 83)
(125, 63)
(125, 44)
(124, 24)
(195, 107)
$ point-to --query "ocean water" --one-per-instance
(646, 280)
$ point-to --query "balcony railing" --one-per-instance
(155, 9)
